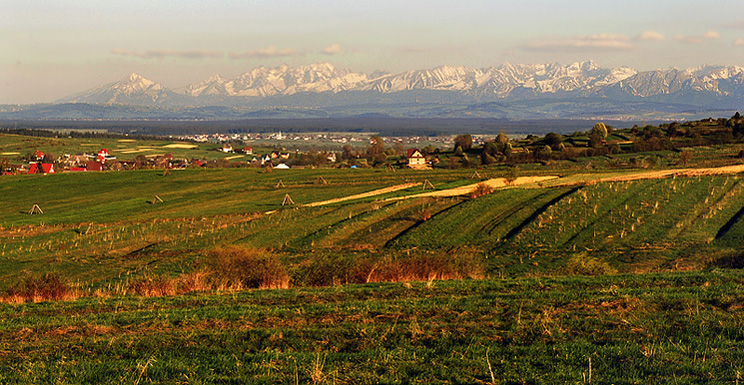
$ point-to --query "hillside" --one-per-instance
(671, 223)
(604, 269)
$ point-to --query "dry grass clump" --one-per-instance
(425, 268)
(194, 281)
(152, 286)
(47, 287)
(230, 268)
(583, 264)
(480, 190)
(237, 268)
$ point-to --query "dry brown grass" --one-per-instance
(422, 268)
(152, 286)
(47, 287)
(247, 268)
(480, 190)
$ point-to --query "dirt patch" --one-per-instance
(495, 183)
(681, 172)
(365, 195)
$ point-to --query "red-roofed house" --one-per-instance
(46, 168)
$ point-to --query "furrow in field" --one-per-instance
(540, 210)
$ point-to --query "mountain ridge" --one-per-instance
(537, 90)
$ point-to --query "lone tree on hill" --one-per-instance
(598, 134)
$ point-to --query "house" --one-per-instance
(94, 165)
(163, 161)
(331, 157)
(38, 155)
(77, 160)
(227, 148)
(248, 150)
(103, 156)
(416, 160)
(46, 168)
(281, 166)
(284, 155)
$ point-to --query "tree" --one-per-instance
(464, 141)
(346, 155)
(501, 138)
(553, 140)
(600, 130)
(598, 134)
(376, 150)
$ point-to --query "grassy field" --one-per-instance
(98, 228)
(627, 329)
(579, 279)
(14, 146)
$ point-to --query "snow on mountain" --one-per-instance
(282, 80)
(507, 81)
(440, 78)
(133, 89)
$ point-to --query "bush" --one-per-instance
(480, 190)
(425, 268)
(152, 286)
(237, 267)
(47, 287)
(583, 264)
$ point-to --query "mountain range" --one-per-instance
(511, 91)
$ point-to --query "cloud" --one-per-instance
(689, 39)
(650, 36)
(603, 41)
(736, 25)
(157, 54)
(739, 42)
(268, 52)
(411, 50)
(710, 35)
(332, 49)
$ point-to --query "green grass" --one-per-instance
(99, 227)
(655, 328)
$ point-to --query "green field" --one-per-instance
(94, 225)
(683, 328)
(638, 277)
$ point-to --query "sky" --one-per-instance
(50, 49)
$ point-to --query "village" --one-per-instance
(234, 154)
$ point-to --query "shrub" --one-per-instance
(426, 267)
(583, 264)
(47, 287)
(194, 281)
(237, 267)
(425, 215)
(480, 190)
(152, 286)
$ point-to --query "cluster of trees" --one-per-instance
(600, 140)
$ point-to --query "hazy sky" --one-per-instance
(53, 48)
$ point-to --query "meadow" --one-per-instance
(604, 274)
(656, 328)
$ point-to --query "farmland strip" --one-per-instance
(731, 222)
(539, 211)
(390, 242)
